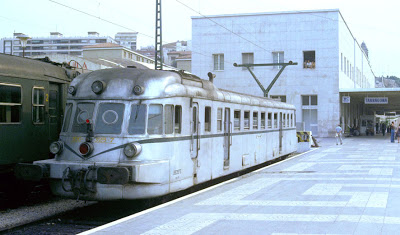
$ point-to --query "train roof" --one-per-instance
(120, 83)
(15, 66)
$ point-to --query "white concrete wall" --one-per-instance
(291, 33)
(361, 74)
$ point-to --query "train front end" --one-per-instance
(100, 155)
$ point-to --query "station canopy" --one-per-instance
(384, 101)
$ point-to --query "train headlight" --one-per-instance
(98, 87)
(132, 149)
(56, 147)
(138, 90)
(72, 90)
(86, 148)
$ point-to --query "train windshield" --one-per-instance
(67, 120)
(137, 121)
(83, 112)
(109, 118)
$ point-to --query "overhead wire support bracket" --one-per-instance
(265, 91)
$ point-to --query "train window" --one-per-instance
(284, 120)
(291, 119)
(262, 120)
(83, 112)
(207, 119)
(246, 124)
(219, 119)
(109, 118)
(269, 120)
(137, 122)
(287, 120)
(10, 103)
(67, 119)
(155, 119)
(38, 105)
(178, 119)
(236, 120)
(255, 120)
(275, 120)
(169, 119)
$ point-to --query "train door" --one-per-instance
(227, 136)
(194, 123)
(280, 131)
(54, 116)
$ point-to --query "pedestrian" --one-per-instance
(376, 128)
(398, 134)
(392, 129)
(383, 128)
(338, 134)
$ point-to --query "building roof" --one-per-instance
(267, 13)
(103, 45)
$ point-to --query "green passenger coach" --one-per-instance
(32, 100)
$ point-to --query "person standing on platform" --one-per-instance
(338, 134)
(392, 128)
(383, 128)
(398, 134)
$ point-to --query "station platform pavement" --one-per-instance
(352, 188)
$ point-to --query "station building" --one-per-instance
(329, 57)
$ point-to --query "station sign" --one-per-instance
(346, 99)
(376, 100)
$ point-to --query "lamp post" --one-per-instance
(24, 40)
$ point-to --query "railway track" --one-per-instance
(94, 214)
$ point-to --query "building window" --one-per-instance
(341, 61)
(38, 105)
(10, 103)
(207, 119)
(218, 61)
(236, 120)
(310, 113)
(309, 59)
(255, 120)
(309, 100)
(247, 58)
(219, 119)
(277, 57)
(281, 98)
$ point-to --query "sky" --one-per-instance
(374, 22)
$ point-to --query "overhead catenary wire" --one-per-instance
(119, 25)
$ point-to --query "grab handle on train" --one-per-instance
(198, 136)
(192, 140)
(230, 134)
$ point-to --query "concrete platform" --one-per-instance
(352, 188)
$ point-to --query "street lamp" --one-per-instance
(24, 40)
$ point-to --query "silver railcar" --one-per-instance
(138, 133)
